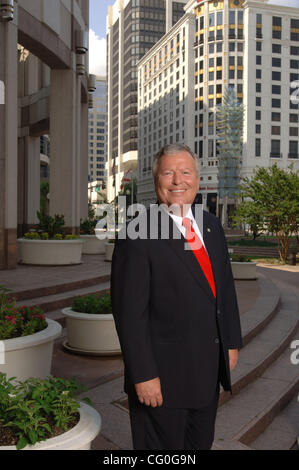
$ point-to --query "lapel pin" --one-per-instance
(208, 229)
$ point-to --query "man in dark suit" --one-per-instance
(176, 313)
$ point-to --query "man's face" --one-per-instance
(177, 180)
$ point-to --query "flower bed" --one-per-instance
(16, 321)
(26, 339)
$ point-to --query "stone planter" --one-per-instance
(91, 334)
(243, 271)
(78, 438)
(109, 248)
(29, 356)
(92, 245)
(50, 252)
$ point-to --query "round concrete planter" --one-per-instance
(29, 356)
(244, 271)
(91, 334)
(109, 248)
(50, 252)
(92, 245)
(79, 437)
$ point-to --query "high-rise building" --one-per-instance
(252, 46)
(133, 27)
(97, 134)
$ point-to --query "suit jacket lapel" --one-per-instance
(177, 243)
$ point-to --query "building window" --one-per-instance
(275, 103)
(276, 76)
(276, 89)
(258, 147)
(276, 62)
(294, 30)
(294, 64)
(258, 87)
(258, 101)
(211, 148)
(294, 131)
(276, 48)
(258, 115)
(258, 46)
(293, 149)
(275, 149)
(258, 60)
(257, 128)
(258, 74)
(294, 118)
(275, 130)
(276, 117)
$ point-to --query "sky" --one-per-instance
(97, 32)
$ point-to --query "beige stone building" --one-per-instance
(43, 93)
(249, 45)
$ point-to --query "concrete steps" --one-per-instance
(64, 299)
(264, 381)
(282, 433)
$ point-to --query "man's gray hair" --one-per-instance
(173, 149)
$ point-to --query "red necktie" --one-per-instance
(200, 253)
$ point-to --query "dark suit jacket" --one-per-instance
(169, 323)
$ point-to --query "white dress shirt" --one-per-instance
(179, 223)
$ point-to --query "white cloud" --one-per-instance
(97, 54)
(285, 3)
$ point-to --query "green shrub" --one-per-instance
(58, 236)
(71, 237)
(95, 303)
(239, 258)
(32, 236)
(30, 410)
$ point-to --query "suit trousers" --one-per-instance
(164, 428)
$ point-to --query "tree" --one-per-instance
(230, 143)
(270, 200)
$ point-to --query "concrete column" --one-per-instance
(8, 144)
(84, 162)
(65, 132)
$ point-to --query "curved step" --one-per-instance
(282, 433)
(265, 379)
(64, 299)
(267, 345)
(265, 308)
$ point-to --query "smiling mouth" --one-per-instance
(177, 190)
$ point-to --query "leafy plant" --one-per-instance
(88, 225)
(52, 226)
(95, 304)
(70, 237)
(32, 408)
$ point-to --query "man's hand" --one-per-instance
(233, 358)
(149, 392)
